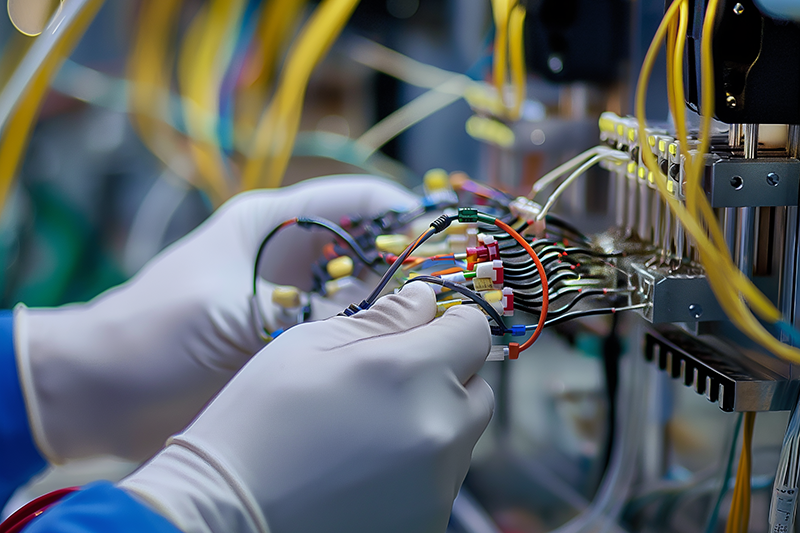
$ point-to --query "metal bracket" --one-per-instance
(673, 297)
(753, 183)
(718, 375)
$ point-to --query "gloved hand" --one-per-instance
(353, 424)
(121, 373)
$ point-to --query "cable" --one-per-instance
(590, 312)
(21, 98)
(572, 177)
(783, 503)
(711, 525)
(555, 174)
(413, 112)
(516, 53)
(739, 516)
(275, 133)
(545, 291)
(369, 300)
(307, 222)
(205, 55)
(729, 284)
(457, 287)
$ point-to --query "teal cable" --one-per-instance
(712, 519)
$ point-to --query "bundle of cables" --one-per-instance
(736, 293)
(504, 272)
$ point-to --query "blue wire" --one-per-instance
(790, 331)
(712, 519)
(225, 126)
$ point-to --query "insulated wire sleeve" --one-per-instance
(486, 306)
(556, 174)
(783, 503)
(591, 312)
(551, 200)
(369, 300)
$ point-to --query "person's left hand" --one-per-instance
(119, 374)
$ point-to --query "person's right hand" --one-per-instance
(354, 424)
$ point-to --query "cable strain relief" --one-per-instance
(441, 223)
(513, 350)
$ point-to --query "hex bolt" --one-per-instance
(737, 182)
(696, 311)
(773, 179)
(738, 9)
(730, 101)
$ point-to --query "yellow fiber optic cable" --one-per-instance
(501, 11)
(721, 277)
(17, 129)
(739, 515)
(205, 56)
(516, 51)
(277, 24)
(149, 70)
(275, 134)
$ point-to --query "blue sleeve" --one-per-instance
(100, 508)
(19, 458)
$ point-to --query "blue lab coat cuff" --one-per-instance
(19, 458)
(100, 508)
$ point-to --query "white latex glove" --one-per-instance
(354, 424)
(121, 373)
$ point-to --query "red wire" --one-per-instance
(25, 514)
(545, 291)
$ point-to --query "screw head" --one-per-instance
(730, 101)
(737, 182)
(773, 179)
(555, 64)
(738, 9)
(696, 311)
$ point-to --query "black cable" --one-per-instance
(437, 226)
(307, 222)
(591, 312)
(457, 287)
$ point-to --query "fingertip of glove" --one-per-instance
(463, 320)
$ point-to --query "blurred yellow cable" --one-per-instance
(277, 24)
(501, 10)
(17, 129)
(276, 131)
(722, 278)
(150, 71)
(205, 55)
(739, 515)
(516, 51)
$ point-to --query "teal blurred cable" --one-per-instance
(712, 519)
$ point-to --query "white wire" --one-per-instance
(383, 59)
(551, 200)
(413, 112)
(40, 50)
(559, 171)
(783, 504)
(604, 511)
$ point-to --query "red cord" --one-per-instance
(513, 347)
(25, 514)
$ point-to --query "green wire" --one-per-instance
(712, 519)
